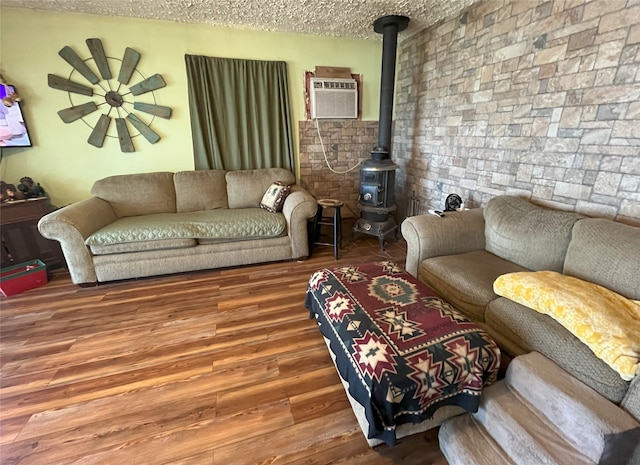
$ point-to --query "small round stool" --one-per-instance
(336, 222)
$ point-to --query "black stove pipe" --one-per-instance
(388, 26)
(377, 175)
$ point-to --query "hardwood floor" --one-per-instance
(213, 367)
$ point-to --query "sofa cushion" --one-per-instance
(531, 236)
(534, 331)
(466, 280)
(142, 246)
(138, 194)
(212, 224)
(200, 190)
(608, 323)
(245, 188)
(606, 253)
(594, 427)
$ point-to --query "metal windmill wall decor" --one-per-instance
(111, 96)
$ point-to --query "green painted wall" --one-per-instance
(65, 164)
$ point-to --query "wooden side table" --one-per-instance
(21, 240)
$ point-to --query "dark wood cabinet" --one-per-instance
(21, 241)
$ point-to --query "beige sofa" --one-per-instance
(460, 256)
(158, 223)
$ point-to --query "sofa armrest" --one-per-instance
(431, 236)
(70, 226)
(297, 209)
(631, 400)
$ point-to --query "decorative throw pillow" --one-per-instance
(274, 198)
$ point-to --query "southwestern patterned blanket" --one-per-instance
(403, 350)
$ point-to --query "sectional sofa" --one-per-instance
(461, 255)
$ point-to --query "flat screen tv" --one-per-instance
(13, 130)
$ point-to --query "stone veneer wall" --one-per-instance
(346, 142)
(539, 99)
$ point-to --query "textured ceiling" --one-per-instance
(342, 18)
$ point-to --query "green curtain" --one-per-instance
(240, 113)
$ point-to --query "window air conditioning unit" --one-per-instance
(334, 98)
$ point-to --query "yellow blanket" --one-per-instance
(605, 321)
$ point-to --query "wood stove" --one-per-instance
(377, 175)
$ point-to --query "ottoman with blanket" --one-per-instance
(407, 359)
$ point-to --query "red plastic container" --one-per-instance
(22, 277)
